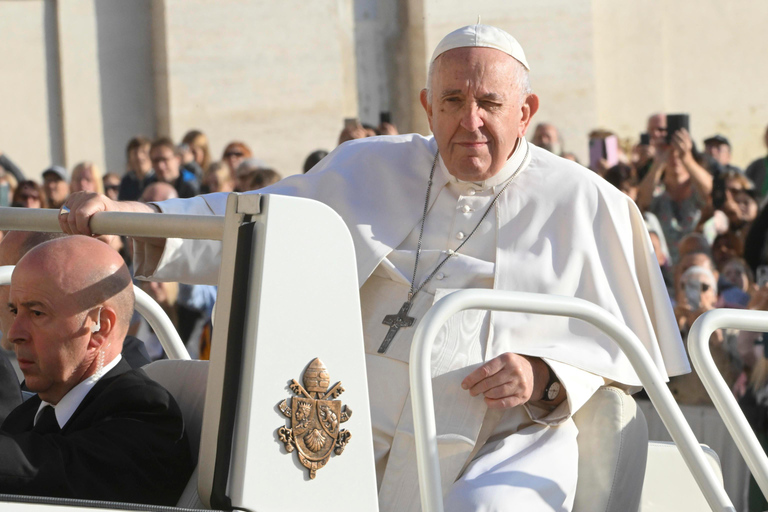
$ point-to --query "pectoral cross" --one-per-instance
(395, 322)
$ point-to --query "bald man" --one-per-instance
(96, 429)
(13, 246)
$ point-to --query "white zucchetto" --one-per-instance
(483, 36)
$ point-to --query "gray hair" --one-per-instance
(522, 80)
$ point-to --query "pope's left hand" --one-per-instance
(508, 380)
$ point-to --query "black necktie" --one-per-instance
(46, 423)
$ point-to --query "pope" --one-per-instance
(474, 206)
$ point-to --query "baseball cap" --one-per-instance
(717, 139)
(58, 171)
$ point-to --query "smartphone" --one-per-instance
(693, 293)
(350, 123)
(645, 139)
(718, 191)
(385, 117)
(607, 148)
(676, 122)
(611, 144)
(762, 275)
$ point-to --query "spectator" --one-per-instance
(245, 173)
(685, 190)
(139, 173)
(622, 176)
(570, 156)
(740, 206)
(234, 154)
(313, 159)
(111, 184)
(10, 392)
(8, 185)
(726, 247)
(264, 178)
(86, 177)
(218, 178)
(8, 166)
(757, 171)
(29, 195)
(353, 131)
(656, 128)
(56, 185)
(96, 429)
(719, 148)
(547, 136)
(198, 144)
(736, 284)
(166, 163)
(158, 191)
(697, 293)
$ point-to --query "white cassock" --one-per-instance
(558, 229)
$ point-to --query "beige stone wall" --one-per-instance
(702, 57)
(80, 77)
(30, 129)
(276, 75)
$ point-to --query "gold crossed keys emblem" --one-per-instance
(315, 418)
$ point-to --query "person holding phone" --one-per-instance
(676, 189)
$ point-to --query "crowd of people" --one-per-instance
(708, 224)
(704, 215)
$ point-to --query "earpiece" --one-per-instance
(97, 326)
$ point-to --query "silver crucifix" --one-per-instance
(395, 322)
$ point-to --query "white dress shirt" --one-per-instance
(72, 400)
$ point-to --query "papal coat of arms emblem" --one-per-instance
(315, 418)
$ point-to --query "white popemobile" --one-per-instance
(279, 418)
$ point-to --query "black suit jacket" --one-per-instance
(10, 392)
(125, 442)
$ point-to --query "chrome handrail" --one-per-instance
(722, 398)
(166, 225)
(661, 397)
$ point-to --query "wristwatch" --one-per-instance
(553, 387)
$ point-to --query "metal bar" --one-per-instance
(165, 225)
(722, 398)
(421, 382)
(161, 324)
(149, 309)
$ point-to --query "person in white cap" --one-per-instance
(475, 206)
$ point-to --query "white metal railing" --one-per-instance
(661, 397)
(149, 309)
(722, 398)
(194, 227)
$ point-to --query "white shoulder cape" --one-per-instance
(563, 230)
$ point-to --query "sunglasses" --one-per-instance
(231, 154)
(112, 188)
(25, 197)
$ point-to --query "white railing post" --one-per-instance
(722, 398)
(421, 382)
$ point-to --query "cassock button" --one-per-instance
(466, 208)
(440, 276)
(460, 235)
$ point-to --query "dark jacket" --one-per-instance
(125, 442)
(10, 392)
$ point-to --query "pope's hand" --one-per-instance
(82, 206)
(508, 380)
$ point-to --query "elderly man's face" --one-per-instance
(476, 111)
(49, 335)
